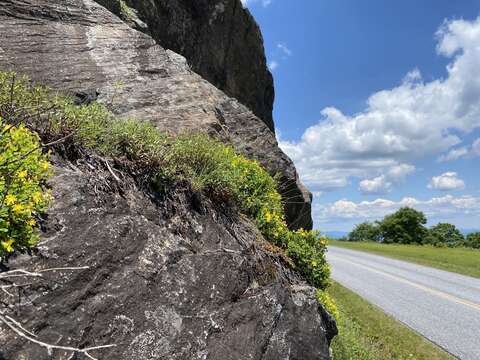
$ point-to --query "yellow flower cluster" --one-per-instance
(24, 169)
(7, 245)
(324, 298)
(259, 198)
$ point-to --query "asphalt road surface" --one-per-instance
(444, 307)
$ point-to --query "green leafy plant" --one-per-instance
(307, 249)
(207, 163)
(24, 169)
(203, 162)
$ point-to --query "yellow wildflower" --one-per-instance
(31, 222)
(17, 208)
(37, 197)
(7, 245)
(22, 174)
(268, 217)
(10, 199)
(45, 165)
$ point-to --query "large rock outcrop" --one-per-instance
(219, 38)
(78, 46)
(169, 277)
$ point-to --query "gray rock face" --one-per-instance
(219, 38)
(169, 277)
(80, 47)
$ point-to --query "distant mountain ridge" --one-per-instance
(468, 231)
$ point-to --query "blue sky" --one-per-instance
(378, 105)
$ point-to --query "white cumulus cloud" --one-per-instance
(464, 152)
(455, 154)
(378, 185)
(446, 182)
(398, 173)
(383, 184)
(436, 207)
(400, 125)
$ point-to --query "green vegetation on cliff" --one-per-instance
(206, 164)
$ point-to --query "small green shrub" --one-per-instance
(203, 162)
(24, 168)
(207, 163)
(307, 250)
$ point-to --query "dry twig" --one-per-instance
(19, 330)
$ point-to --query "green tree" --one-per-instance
(444, 234)
(473, 240)
(406, 226)
(365, 231)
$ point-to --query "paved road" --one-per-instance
(442, 306)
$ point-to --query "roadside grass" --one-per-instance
(459, 260)
(367, 333)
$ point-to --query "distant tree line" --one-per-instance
(407, 226)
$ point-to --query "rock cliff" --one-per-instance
(219, 38)
(79, 47)
(161, 276)
(169, 277)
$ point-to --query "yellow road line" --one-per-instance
(439, 293)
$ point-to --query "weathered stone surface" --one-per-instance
(173, 277)
(80, 47)
(219, 38)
